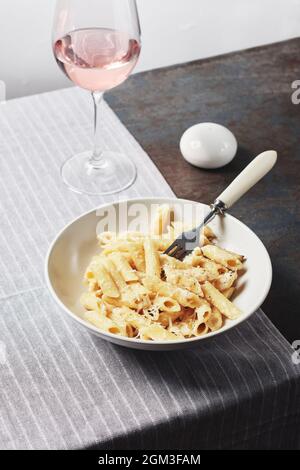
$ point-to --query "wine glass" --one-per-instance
(97, 44)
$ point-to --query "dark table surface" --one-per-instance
(250, 92)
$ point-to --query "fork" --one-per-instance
(252, 174)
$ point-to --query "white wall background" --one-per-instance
(174, 31)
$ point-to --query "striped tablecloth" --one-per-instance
(62, 388)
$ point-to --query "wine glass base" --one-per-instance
(113, 174)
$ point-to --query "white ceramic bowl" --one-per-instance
(73, 248)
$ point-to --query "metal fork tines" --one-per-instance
(188, 241)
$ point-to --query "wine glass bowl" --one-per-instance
(97, 44)
(97, 59)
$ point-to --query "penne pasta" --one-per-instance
(137, 254)
(212, 269)
(229, 292)
(152, 260)
(167, 318)
(123, 266)
(106, 282)
(225, 258)
(215, 320)
(106, 238)
(111, 302)
(183, 297)
(90, 301)
(137, 296)
(186, 281)
(198, 274)
(161, 244)
(157, 333)
(134, 319)
(104, 323)
(200, 329)
(161, 220)
(204, 240)
(195, 258)
(208, 232)
(134, 290)
(203, 312)
(167, 304)
(115, 274)
(173, 262)
(225, 281)
(218, 300)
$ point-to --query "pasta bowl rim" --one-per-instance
(144, 344)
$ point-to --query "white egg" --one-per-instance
(208, 145)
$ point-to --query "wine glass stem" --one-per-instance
(97, 156)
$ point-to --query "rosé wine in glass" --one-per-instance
(97, 59)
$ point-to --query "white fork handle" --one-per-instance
(251, 175)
